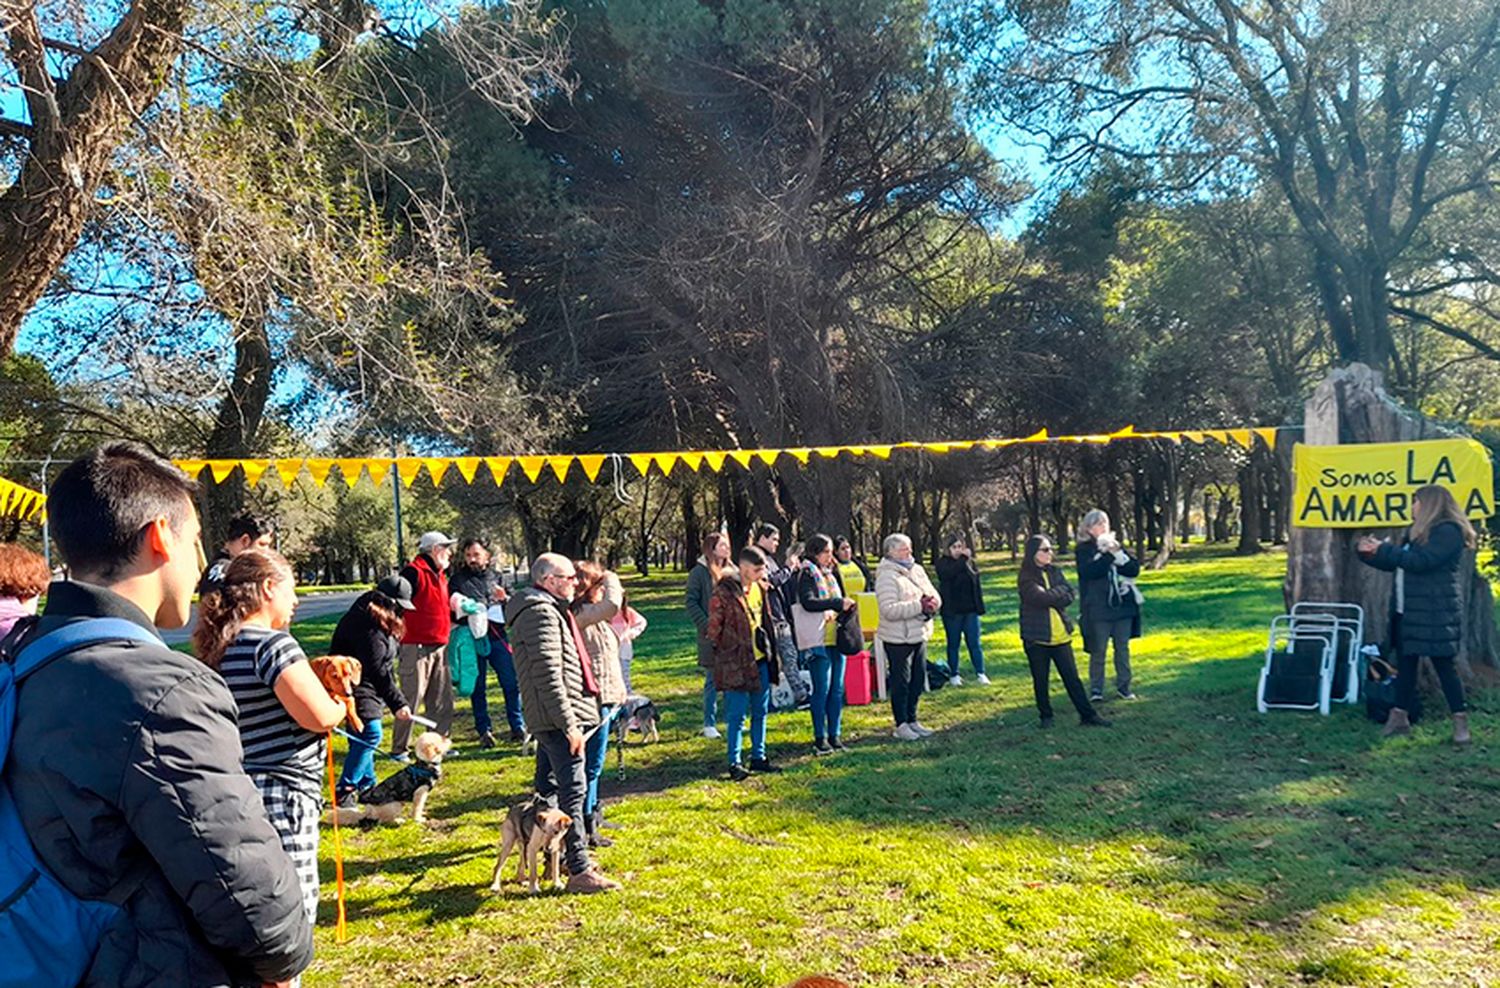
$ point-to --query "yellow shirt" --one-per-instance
(1060, 634)
(755, 598)
(853, 577)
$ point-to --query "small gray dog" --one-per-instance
(533, 827)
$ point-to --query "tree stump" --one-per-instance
(1351, 406)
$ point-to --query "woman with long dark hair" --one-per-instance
(284, 710)
(370, 631)
(818, 598)
(596, 601)
(1047, 631)
(1426, 606)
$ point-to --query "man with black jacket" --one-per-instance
(125, 758)
(477, 580)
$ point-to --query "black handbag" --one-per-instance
(849, 637)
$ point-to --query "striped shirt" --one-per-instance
(274, 743)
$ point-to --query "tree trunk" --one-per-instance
(1351, 406)
(1167, 454)
(1250, 507)
(72, 137)
(239, 417)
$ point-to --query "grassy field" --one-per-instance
(1194, 843)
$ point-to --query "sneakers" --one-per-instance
(1097, 722)
(1097, 696)
(486, 740)
(738, 773)
(404, 758)
(1126, 695)
(836, 744)
(982, 679)
(591, 882)
(905, 733)
(712, 733)
(920, 731)
(517, 737)
(955, 680)
(764, 765)
(821, 747)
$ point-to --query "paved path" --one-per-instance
(311, 606)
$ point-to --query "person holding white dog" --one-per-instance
(1109, 603)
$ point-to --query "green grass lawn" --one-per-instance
(1196, 842)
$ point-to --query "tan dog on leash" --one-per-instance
(534, 828)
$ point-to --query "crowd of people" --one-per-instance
(189, 796)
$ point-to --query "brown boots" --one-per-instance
(1461, 730)
(1397, 722)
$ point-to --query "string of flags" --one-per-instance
(22, 501)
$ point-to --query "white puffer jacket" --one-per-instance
(899, 593)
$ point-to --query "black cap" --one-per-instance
(398, 588)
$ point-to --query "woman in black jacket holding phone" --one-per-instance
(1047, 632)
(1426, 605)
(371, 632)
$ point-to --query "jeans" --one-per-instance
(965, 626)
(908, 678)
(1041, 658)
(560, 780)
(1100, 636)
(759, 704)
(1406, 682)
(827, 667)
(500, 660)
(359, 763)
(595, 749)
(425, 679)
(711, 699)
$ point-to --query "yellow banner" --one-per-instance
(1370, 485)
(18, 501)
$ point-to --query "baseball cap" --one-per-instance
(398, 588)
(431, 540)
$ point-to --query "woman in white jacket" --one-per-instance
(907, 600)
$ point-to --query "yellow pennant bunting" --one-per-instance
(1267, 436)
(767, 456)
(1194, 437)
(287, 470)
(436, 467)
(715, 460)
(560, 465)
(318, 468)
(1243, 437)
(532, 466)
(1124, 433)
(350, 468)
(879, 452)
(221, 469)
(191, 467)
(828, 452)
(799, 454)
(742, 457)
(665, 462)
(498, 465)
(692, 461)
(378, 468)
(641, 462)
(254, 470)
(467, 466)
(407, 468)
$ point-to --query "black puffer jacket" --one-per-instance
(1431, 622)
(125, 762)
(359, 636)
(1097, 600)
(959, 586)
(1038, 602)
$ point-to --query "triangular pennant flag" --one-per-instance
(692, 460)
(642, 462)
(665, 462)
(996, 443)
(742, 457)
(318, 468)
(498, 465)
(879, 452)
(221, 469)
(190, 467)
(1267, 436)
(532, 466)
(855, 450)
(936, 447)
(254, 470)
(287, 470)
(1036, 437)
(715, 461)
(1129, 430)
(1243, 437)
(828, 452)
(1217, 434)
(467, 466)
(7, 493)
(767, 456)
(591, 464)
(379, 469)
(1194, 437)
(407, 468)
(560, 465)
(800, 454)
(436, 467)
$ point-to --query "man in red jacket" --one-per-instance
(424, 661)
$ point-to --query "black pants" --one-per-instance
(561, 780)
(1406, 682)
(1041, 658)
(908, 677)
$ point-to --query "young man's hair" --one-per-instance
(241, 526)
(101, 503)
(467, 544)
(752, 556)
(766, 531)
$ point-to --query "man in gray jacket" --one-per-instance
(561, 700)
(125, 758)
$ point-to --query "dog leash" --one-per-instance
(341, 929)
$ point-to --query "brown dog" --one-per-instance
(533, 827)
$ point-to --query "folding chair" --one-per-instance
(1349, 621)
(1300, 660)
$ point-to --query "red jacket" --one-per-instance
(428, 623)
